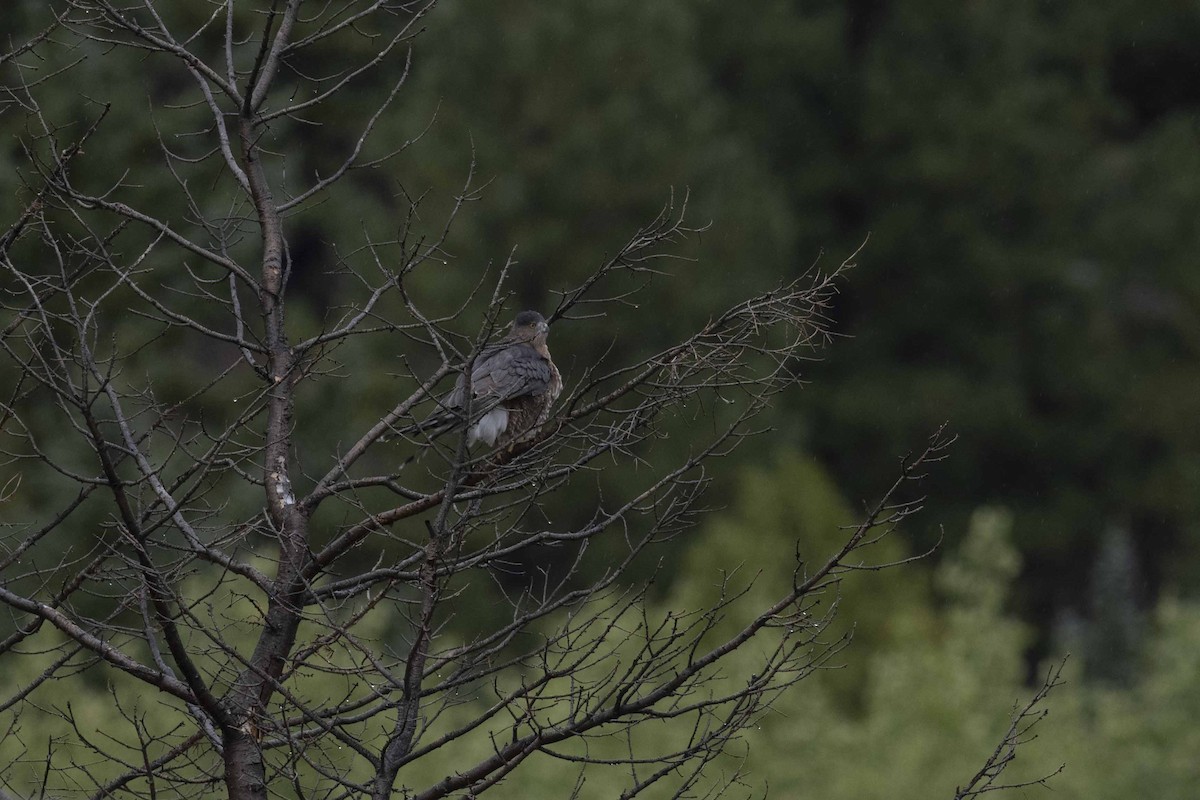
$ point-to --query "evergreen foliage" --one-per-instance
(1116, 627)
(1028, 175)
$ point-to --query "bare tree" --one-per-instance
(1020, 732)
(288, 622)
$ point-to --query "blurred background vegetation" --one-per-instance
(1027, 177)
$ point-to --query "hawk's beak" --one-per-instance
(543, 326)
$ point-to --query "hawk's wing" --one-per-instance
(514, 370)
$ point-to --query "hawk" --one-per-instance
(513, 384)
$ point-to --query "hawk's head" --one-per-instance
(529, 326)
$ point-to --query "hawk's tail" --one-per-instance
(424, 432)
(432, 426)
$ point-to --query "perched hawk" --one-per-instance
(513, 384)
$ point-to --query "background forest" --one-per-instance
(1026, 178)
